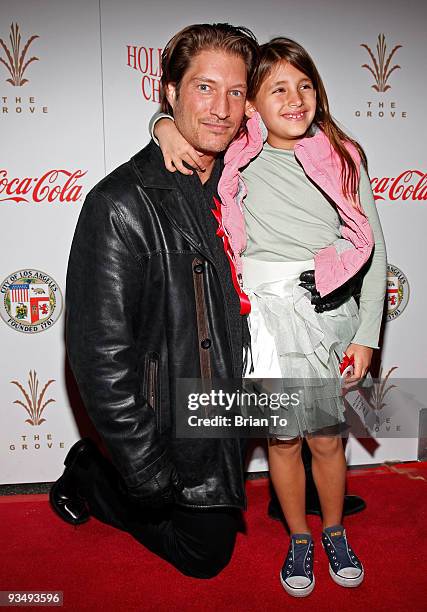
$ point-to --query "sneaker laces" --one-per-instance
(300, 556)
(337, 548)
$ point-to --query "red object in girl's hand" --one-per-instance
(347, 366)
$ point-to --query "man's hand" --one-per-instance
(333, 299)
(176, 150)
(158, 491)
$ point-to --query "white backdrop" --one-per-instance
(82, 107)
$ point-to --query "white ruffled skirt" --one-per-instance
(295, 349)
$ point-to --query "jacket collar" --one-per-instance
(150, 168)
(180, 211)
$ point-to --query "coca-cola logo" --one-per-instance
(409, 185)
(52, 186)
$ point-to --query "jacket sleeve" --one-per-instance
(152, 123)
(103, 301)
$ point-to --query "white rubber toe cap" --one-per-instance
(348, 576)
(297, 586)
(349, 572)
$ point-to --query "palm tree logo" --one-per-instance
(15, 58)
(380, 390)
(33, 404)
(381, 69)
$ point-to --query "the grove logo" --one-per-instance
(56, 185)
(380, 67)
(408, 185)
(380, 388)
(375, 407)
(33, 400)
(15, 60)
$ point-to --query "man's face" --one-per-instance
(210, 104)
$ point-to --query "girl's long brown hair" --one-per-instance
(284, 49)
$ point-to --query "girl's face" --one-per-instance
(286, 102)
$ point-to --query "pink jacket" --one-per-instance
(334, 264)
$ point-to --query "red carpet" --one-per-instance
(97, 566)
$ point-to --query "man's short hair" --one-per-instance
(186, 44)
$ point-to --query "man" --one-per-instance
(150, 299)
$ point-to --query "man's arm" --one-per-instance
(104, 283)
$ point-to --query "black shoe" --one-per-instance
(64, 496)
(312, 504)
(352, 505)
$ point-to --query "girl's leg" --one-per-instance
(329, 473)
(288, 477)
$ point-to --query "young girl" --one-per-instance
(308, 205)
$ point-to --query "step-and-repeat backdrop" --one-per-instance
(78, 83)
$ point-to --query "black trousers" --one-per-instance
(199, 543)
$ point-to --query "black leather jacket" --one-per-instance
(145, 307)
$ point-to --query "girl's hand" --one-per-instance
(176, 149)
(362, 360)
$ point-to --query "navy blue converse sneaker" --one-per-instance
(297, 572)
(344, 566)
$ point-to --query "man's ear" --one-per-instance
(249, 109)
(171, 94)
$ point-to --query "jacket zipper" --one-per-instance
(153, 368)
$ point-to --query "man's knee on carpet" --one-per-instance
(205, 566)
(205, 549)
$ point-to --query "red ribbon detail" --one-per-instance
(347, 361)
(221, 232)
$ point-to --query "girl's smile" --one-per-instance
(294, 116)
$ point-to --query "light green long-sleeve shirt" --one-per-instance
(289, 219)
